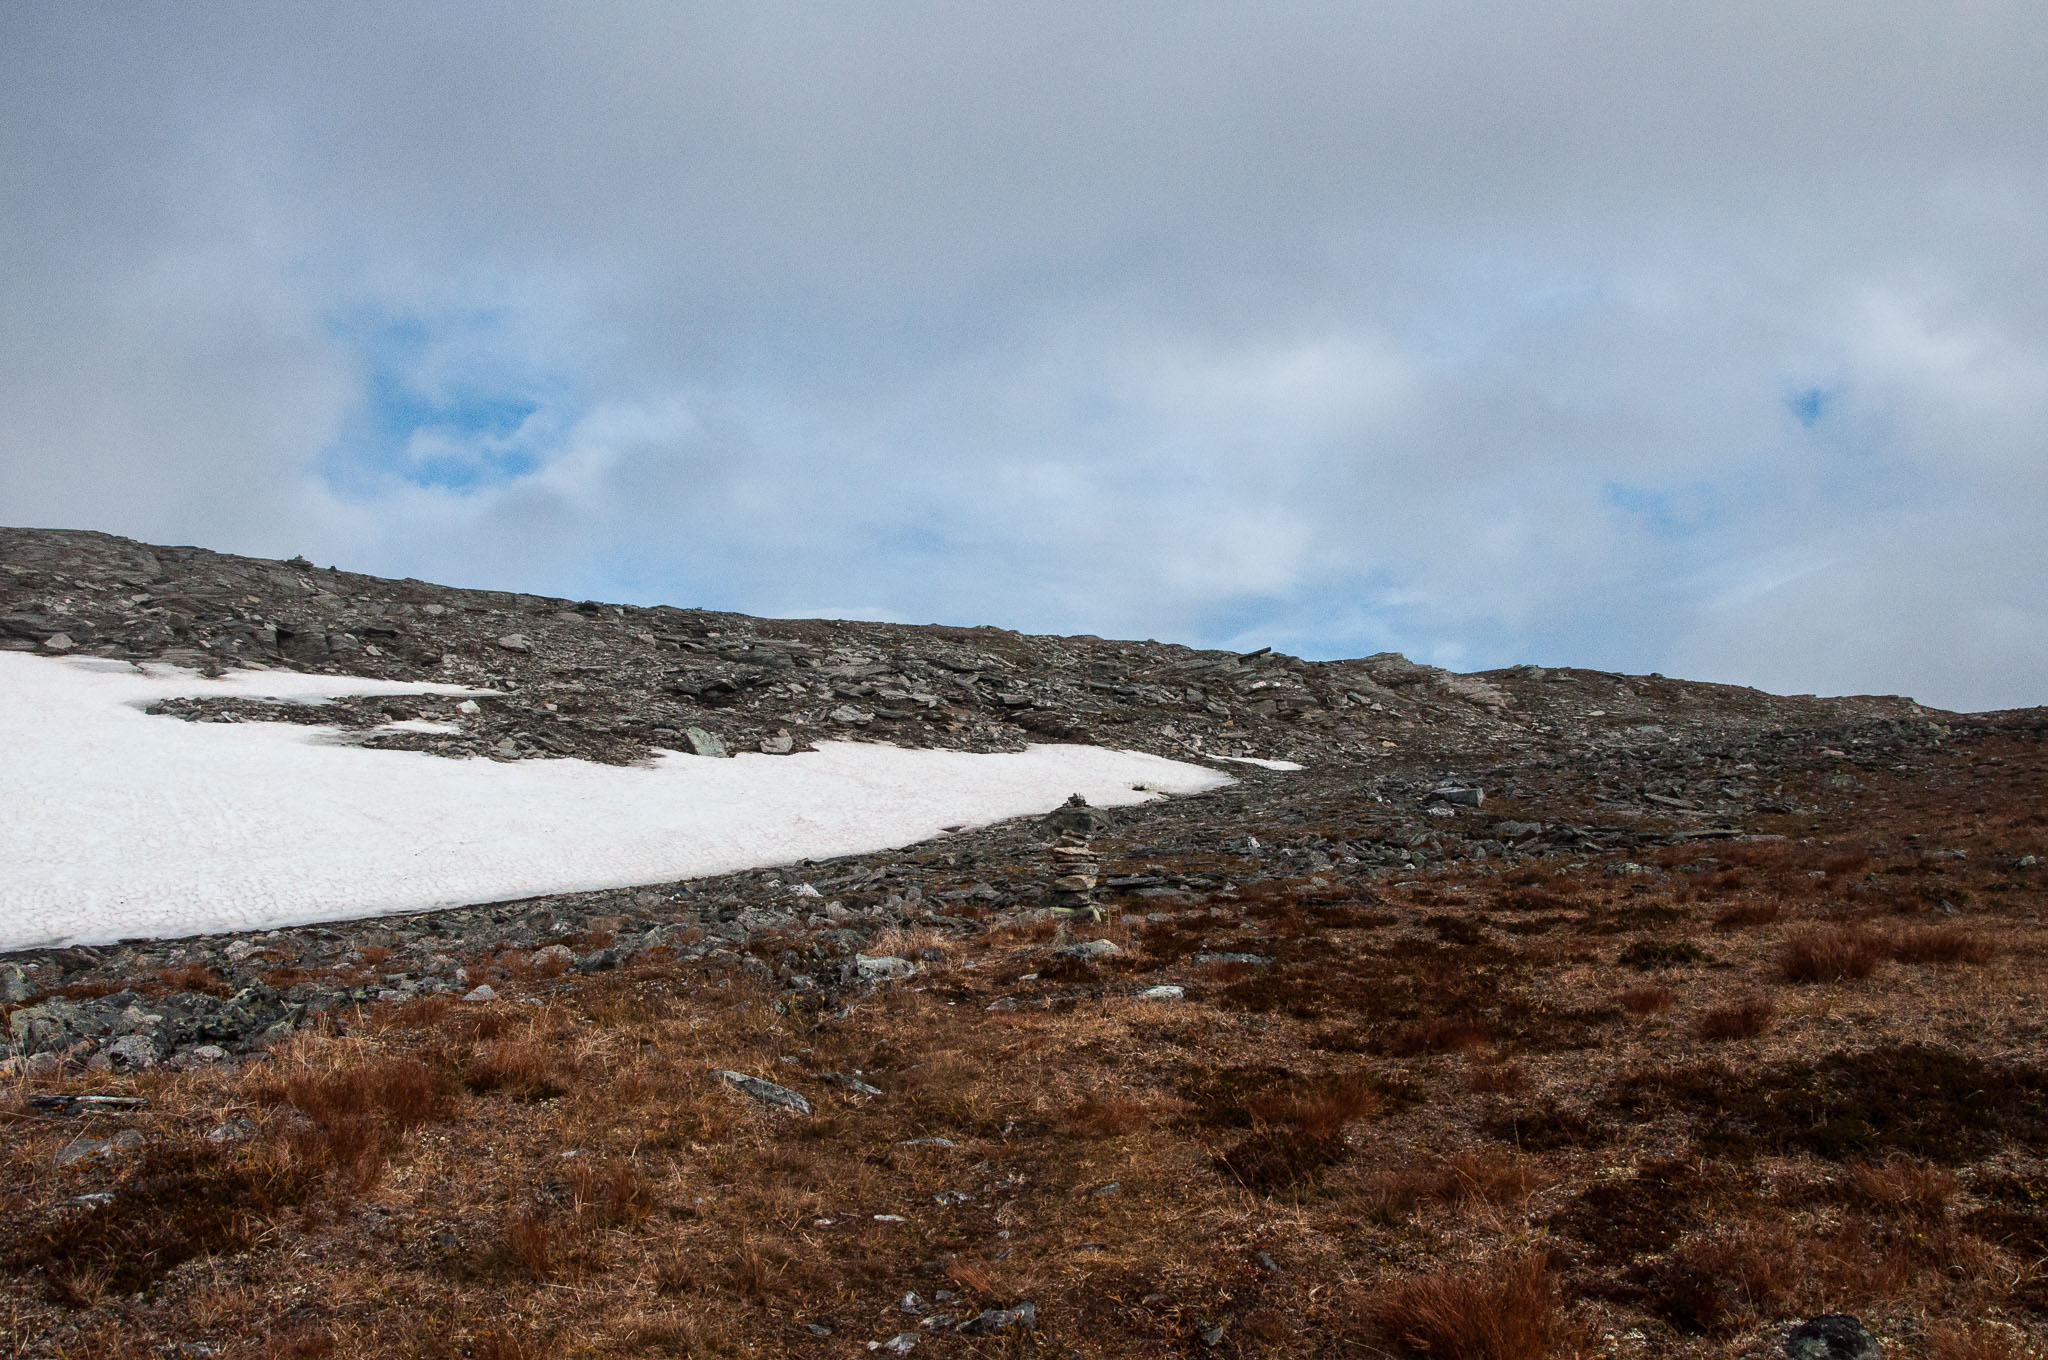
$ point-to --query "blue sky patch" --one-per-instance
(1811, 405)
(1667, 512)
(439, 406)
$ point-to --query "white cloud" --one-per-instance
(1478, 332)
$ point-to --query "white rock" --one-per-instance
(885, 967)
(484, 993)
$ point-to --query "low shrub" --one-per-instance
(1902, 1186)
(1644, 1002)
(1504, 1309)
(183, 1200)
(1834, 954)
(1299, 1136)
(1648, 954)
(1748, 914)
(1939, 945)
(1744, 1019)
(517, 1067)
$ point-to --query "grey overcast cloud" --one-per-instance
(1703, 339)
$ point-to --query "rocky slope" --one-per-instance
(1560, 763)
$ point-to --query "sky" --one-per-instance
(1708, 340)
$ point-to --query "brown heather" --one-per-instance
(1743, 1019)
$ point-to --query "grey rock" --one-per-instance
(1093, 949)
(15, 987)
(849, 716)
(58, 642)
(1456, 795)
(851, 1083)
(884, 968)
(251, 1010)
(81, 1149)
(781, 744)
(516, 642)
(1076, 817)
(992, 1320)
(86, 1104)
(766, 1092)
(53, 1026)
(1255, 960)
(702, 743)
(1165, 992)
(842, 941)
(1832, 1336)
(131, 1053)
(483, 992)
(903, 1343)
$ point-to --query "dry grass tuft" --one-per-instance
(1646, 1001)
(1116, 1115)
(1939, 945)
(519, 1067)
(1901, 1185)
(193, 977)
(184, 1200)
(1300, 1136)
(1443, 1034)
(532, 1244)
(1497, 1078)
(1744, 1019)
(496, 1345)
(396, 1089)
(1748, 914)
(607, 1194)
(358, 1106)
(1504, 1309)
(1491, 1177)
(303, 1342)
(1979, 1341)
(1831, 954)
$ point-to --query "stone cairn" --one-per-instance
(1076, 870)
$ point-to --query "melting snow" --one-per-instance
(115, 824)
(1262, 764)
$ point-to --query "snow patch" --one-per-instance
(115, 824)
(1262, 764)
